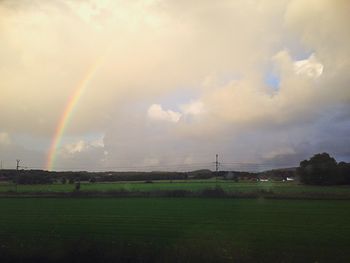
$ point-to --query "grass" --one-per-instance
(192, 185)
(174, 230)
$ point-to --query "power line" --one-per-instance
(251, 163)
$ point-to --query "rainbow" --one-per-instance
(68, 112)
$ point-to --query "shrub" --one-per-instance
(92, 180)
(77, 186)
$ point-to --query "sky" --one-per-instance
(167, 84)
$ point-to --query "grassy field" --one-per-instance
(174, 230)
(228, 186)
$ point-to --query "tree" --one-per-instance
(321, 169)
(77, 186)
(344, 172)
(63, 180)
(92, 180)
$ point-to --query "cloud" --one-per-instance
(156, 112)
(82, 154)
(76, 147)
(157, 42)
(99, 142)
(274, 154)
(309, 67)
(193, 108)
(81, 146)
(5, 138)
(212, 53)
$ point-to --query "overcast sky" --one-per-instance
(176, 82)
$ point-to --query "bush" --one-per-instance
(63, 180)
(92, 180)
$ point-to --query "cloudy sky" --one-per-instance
(167, 84)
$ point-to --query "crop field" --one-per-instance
(174, 230)
(191, 185)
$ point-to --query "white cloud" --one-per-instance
(192, 109)
(156, 112)
(82, 146)
(76, 147)
(309, 67)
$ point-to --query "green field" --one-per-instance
(192, 185)
(174, 230)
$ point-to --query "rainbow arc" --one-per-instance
(67, 113)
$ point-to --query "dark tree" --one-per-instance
(77, 186)
(321, 169)
(63, 180)
(344, 172)
(92, 180)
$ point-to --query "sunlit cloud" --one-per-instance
(156, 112)
(81, 146)
(309, 67)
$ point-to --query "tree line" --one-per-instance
(321, 169)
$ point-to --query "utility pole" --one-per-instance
(216, 169)
(17, 172)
